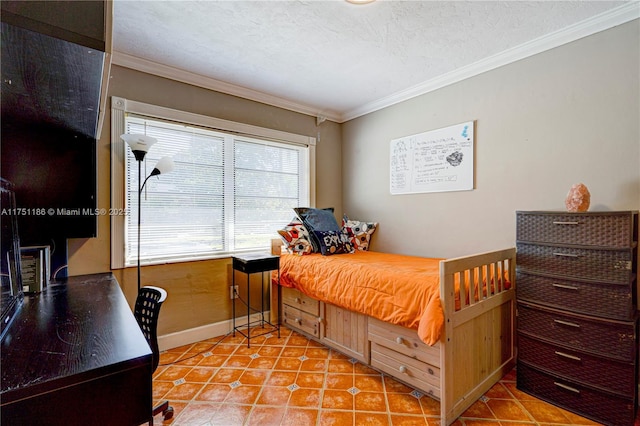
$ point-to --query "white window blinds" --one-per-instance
(267, 187)
(227, 193)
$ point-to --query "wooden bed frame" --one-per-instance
(476, 348)
(478, 344)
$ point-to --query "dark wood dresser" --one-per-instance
(75, 355)
(577, 311)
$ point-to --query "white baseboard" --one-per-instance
(197, 334)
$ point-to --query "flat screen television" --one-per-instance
(10, 274)
(53, 172)
(50, 104)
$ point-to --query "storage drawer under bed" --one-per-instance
(409, 370)
(301, 320)
(399, 352)
(297, 299)
(403, 340)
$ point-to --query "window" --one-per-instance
(229, 191)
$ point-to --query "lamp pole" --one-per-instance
(139, 215)
(155, 172)
(139, 145)
(139, 155)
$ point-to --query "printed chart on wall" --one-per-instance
(434, 161)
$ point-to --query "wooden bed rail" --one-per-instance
(478, 335)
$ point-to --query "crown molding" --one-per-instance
(614, 17)
(604, 21)
(177, 74)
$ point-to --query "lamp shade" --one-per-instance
(138, 143)
(163, 166)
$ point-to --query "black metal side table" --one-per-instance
(250, 264)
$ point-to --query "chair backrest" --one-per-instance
(146, 311)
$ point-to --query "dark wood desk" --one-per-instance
(74, 355)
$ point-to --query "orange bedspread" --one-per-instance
(403, 290)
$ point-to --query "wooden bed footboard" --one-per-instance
(478, 339)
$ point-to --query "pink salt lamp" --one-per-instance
(578, 198)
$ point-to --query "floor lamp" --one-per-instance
(140, 145)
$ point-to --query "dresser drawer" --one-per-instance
(301, 320)
(614, 376)
(607, 338)
(299, 300)
(409, 370)
(593, 229)
(600, 406)
(613, 266)
(403, 340)
(615, 301)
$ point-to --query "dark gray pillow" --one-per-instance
(317, 220)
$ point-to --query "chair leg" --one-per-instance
(165, 409)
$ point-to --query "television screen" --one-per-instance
(53, 171)
(50, 104)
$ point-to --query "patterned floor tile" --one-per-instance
(293, 381)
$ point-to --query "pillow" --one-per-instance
(359, 232)
(334, 242)
(317, 220)
(296, 238)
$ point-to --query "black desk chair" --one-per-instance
(146, 311)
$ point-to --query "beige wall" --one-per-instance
(198, 291)
(561, 117)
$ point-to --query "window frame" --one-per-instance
(120, 107)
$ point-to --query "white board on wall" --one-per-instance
(434, 161)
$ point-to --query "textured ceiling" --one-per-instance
(333, 58)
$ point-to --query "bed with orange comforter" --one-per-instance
(471, 332)
(402, 290)
(399, 289)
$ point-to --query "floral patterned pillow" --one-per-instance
(359, 232)
(296, 238)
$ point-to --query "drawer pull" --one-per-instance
(399, 340)
(320, 320)
(570, 324)
(565, 223)
(298, 321)
(569, 388)
(297, 300)
(575, 358)
(565, 254)
(403, 369)
(566, 287)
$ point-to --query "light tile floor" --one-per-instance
(294, 381)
